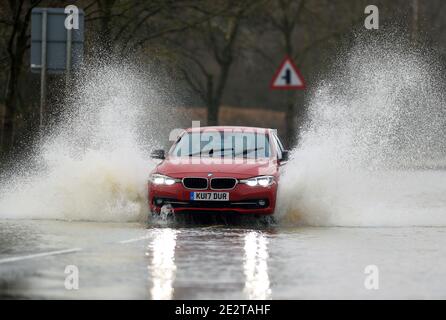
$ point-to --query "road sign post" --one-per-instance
(288, 77)
(55, 48)
(68, 59)
(43, 69)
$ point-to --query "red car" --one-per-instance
(218, 170)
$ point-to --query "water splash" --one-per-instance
(373, 149)
(93, 165)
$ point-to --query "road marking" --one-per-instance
(39, 255)
(216, 226)
(134, 239)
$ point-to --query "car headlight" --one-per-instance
(162, 179)
(262, 181)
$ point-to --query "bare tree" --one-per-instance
(105, 7)
(302, 26)
(128, 26)
(18, 17)
(209, 52)
(286, 21)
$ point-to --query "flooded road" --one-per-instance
(135, 261)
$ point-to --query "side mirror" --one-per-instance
(158, 154)
(285, 156)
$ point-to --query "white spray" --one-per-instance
(373, 149)
(92, 166)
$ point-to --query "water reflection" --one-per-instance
(163, 266)
(257, 284)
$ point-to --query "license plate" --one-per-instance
(209, 196)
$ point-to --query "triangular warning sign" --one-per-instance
(288, 76)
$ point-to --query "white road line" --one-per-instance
(38, 255)
(216, 226)
(134, 239)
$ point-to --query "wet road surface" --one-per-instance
(136, 261)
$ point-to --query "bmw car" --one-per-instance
(220, 169)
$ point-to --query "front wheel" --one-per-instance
(266, 220)
(166, 214)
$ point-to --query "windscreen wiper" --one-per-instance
(246, 151)
(210, 152)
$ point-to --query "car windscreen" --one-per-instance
(221, 144)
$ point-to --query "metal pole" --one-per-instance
(68, 58)
(43, 69)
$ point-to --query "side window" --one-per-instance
(278, 145)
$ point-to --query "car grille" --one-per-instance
(223, 183)
(195, 183)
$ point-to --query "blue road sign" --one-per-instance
(57, 39)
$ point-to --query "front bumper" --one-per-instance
(243, 199)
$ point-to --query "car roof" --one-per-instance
(230, 128)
